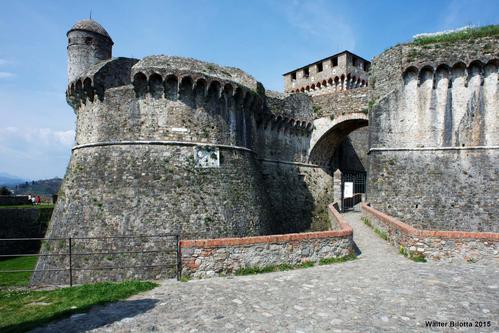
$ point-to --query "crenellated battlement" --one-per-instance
(235, 104)
(175, 86)
(104, 75)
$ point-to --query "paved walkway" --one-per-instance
(379, 292)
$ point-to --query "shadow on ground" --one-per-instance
(99, 316)
(356, 249)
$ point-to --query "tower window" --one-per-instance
(293, 76)
(354, 61)
(319, 67)
(306, 72)
(88, 40)
(366, 67)
(334, 61)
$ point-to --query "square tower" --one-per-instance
(340, 71)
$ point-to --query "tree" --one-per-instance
(4, 191)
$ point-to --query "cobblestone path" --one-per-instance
(380, 291)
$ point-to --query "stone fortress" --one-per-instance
(175, 145)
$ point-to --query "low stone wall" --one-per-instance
(12, 200)
(211, 257)
(436, 245)
(23, 223)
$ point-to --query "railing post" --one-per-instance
(179, 258)
(70, 264)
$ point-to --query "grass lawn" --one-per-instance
(19, 263)
(22, 310)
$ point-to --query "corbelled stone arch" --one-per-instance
(200, 91)
(171, 87)
(156, 88)
(186, 89)
(425, 75)
(140, 84)
(328, 134)
(88, 90)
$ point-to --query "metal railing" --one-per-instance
(70, 254)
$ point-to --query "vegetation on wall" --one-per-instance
(461, 34)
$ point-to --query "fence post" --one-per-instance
(70, 264)
(179, 258)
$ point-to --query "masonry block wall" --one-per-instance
(23, 223)
(441, 245)
(212, 257)
(175, 145)
(433, 135)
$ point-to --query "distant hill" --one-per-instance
(9, 180)
(39, 187)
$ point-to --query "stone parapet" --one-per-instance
(211, 257)
(435, 245)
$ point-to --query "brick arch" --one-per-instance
(328, 134)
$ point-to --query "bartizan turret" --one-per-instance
(88, 44)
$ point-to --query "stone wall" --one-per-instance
(23, 223)
(433, 134)
(437, 190)
(451, 246)
(299, 196)
(211, 257)
(340, 103)
(9, 200)
(154, 189)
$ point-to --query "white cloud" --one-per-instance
(6, 75)
(35, 153)
(3, 62)
(14, 136)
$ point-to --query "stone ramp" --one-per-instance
(381, 291)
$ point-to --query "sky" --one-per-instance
(263, 38)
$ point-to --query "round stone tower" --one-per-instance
(88, 44)
(163, 145)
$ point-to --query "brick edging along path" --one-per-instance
(429, 233)
(211, 257)
(436, 244)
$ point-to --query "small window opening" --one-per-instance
(319, 67)
(88, 40)
(293, 76)
(334, 61)
(366, 67)
(354, 61)
(306, 72)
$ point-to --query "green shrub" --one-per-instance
(414, 256)
(336, 260)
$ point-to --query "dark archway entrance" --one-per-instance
(341, 148)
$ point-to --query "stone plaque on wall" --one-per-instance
(207, 157)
